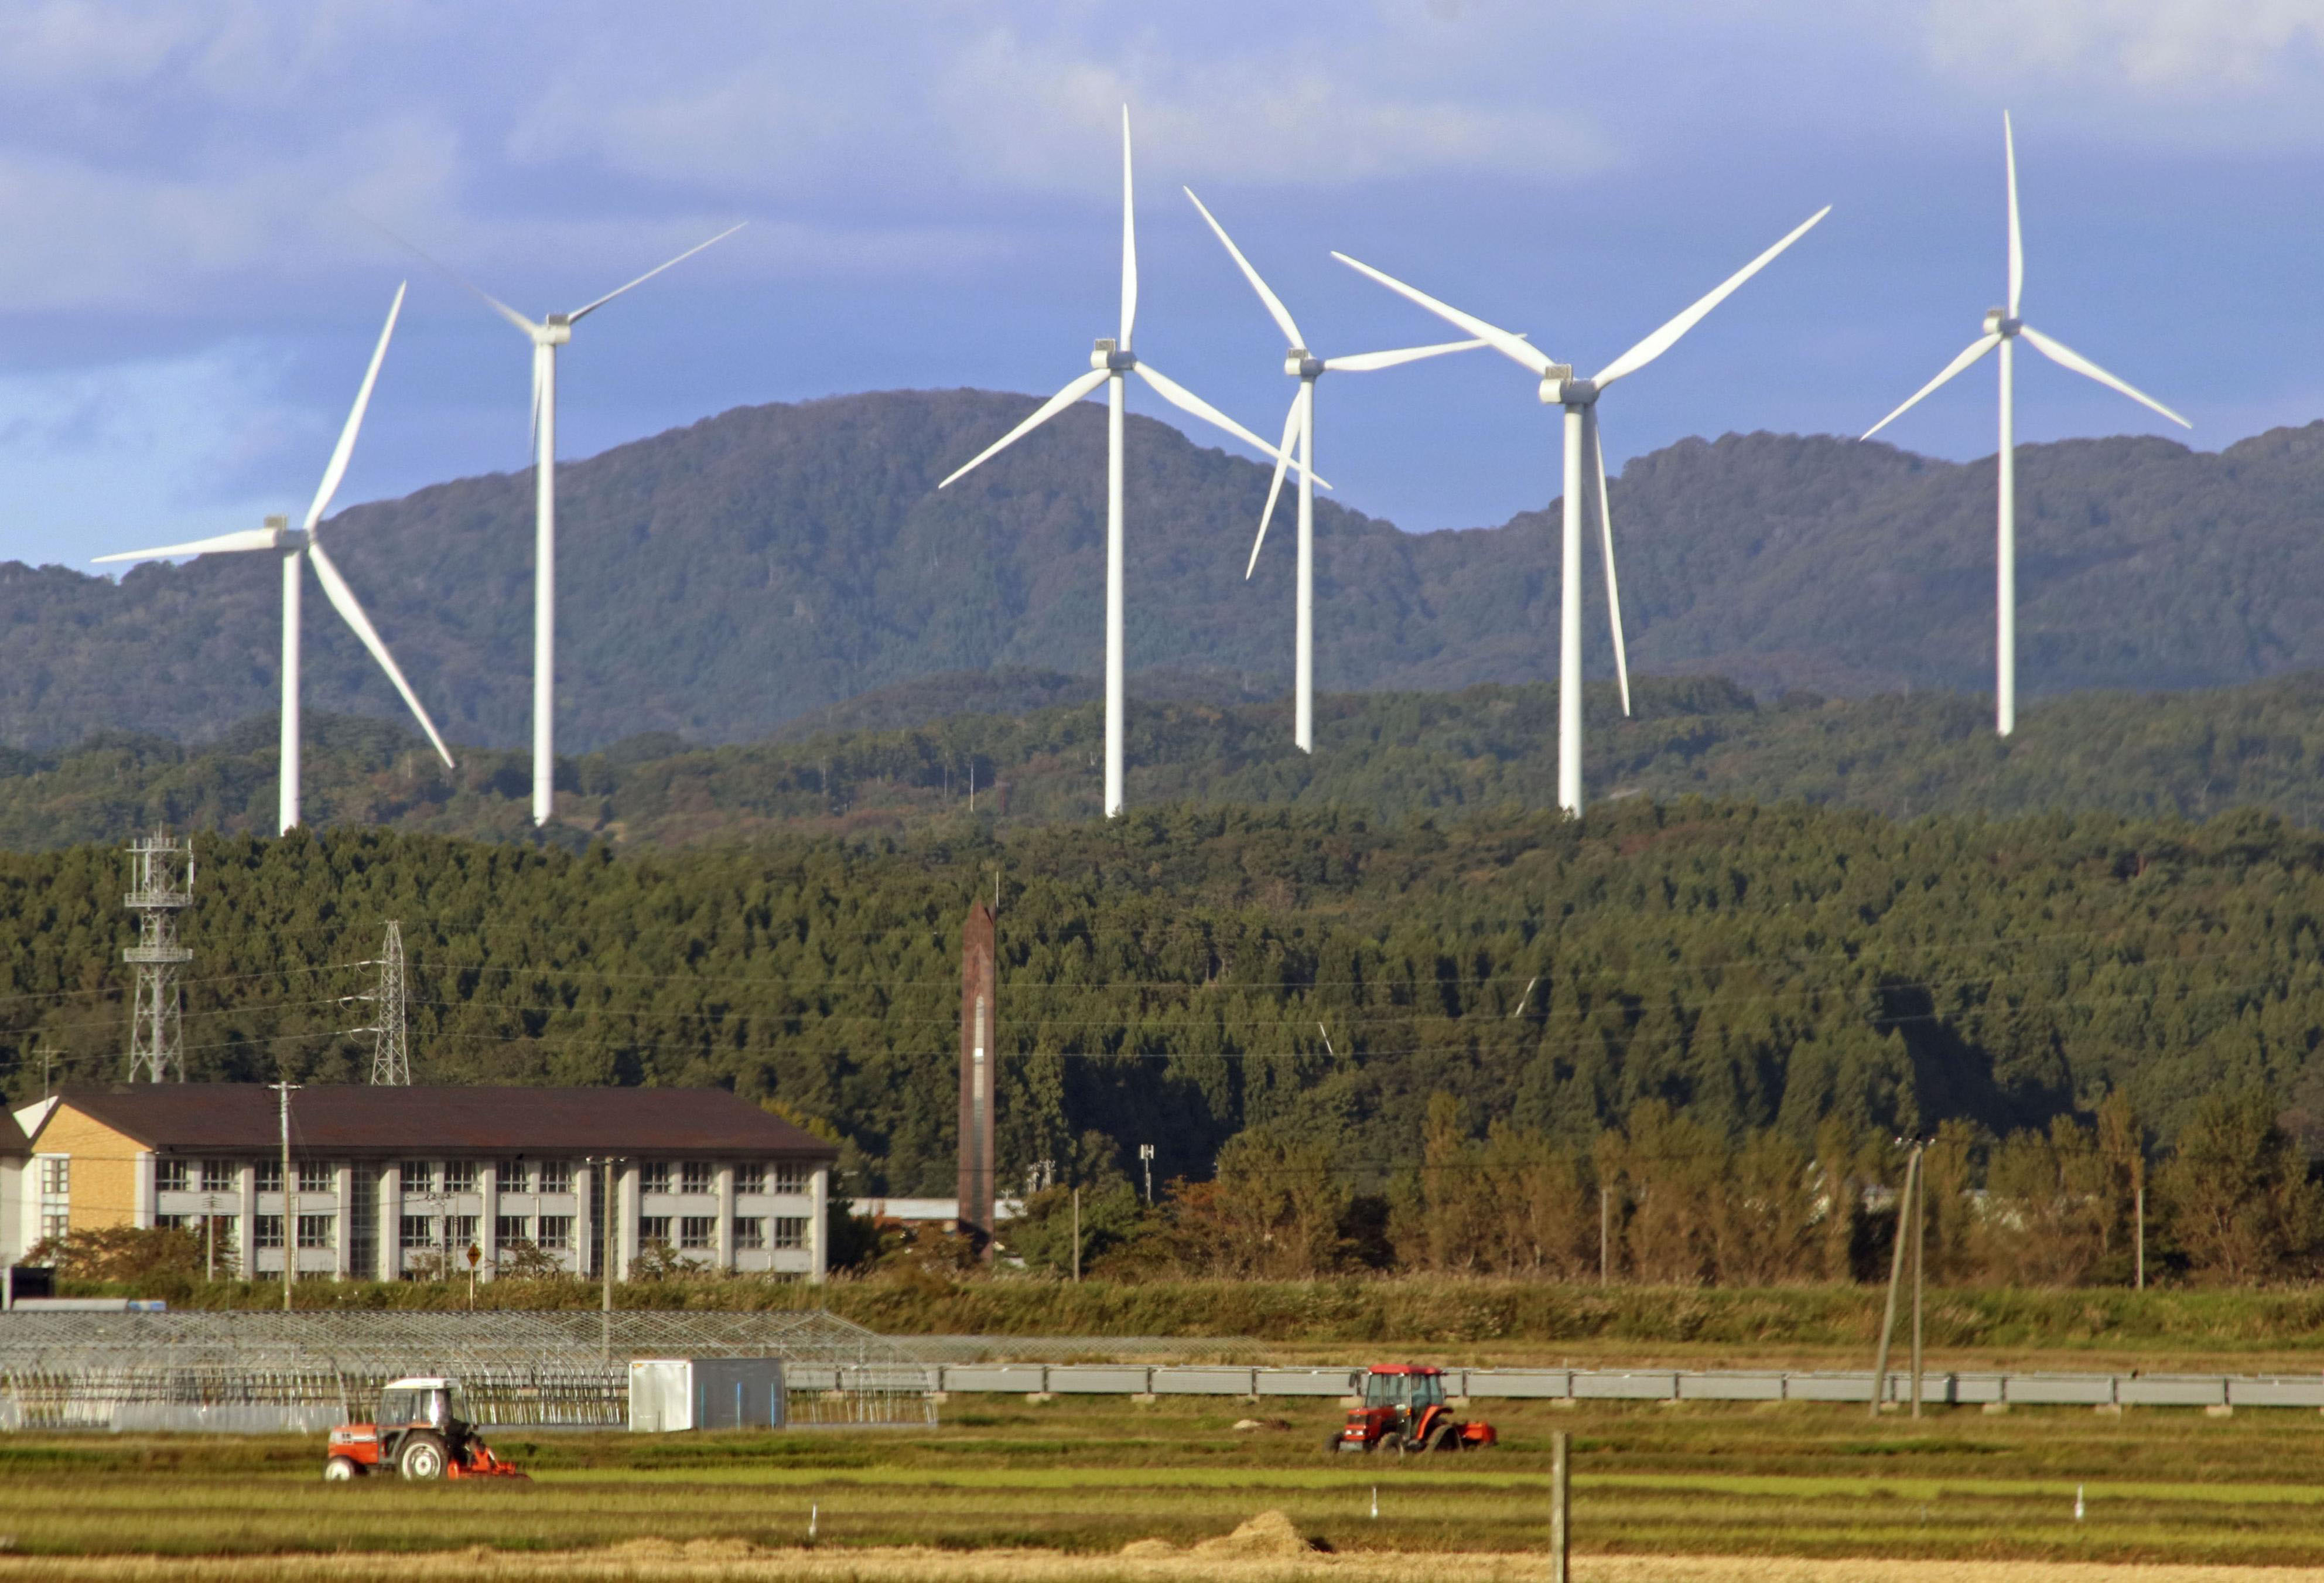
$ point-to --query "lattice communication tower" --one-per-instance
(160, 887)
(391, 1058)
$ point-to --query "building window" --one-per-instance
(219, 1176)
(654, 1177)
(418, 1231)
(462, 1231)
(750, 1234)
(653, 1229)
(318, 1176)
(55, 1224)
(172, 1222)
(513, 1175)
(170, 1176)
(418, 1176)
(508, 1228)
(790, 1179)
(698, 1232)
(556, 1176)
(56, 1176)
(319, 1230)
(270, 1176)
(750, 1179)
(460, 1176)
(697, 1176)
(556, 1232)
(266, 1231)
(790, 1231)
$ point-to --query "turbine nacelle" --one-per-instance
(1559, 388)
(1108, 356)
(2000, 321)
(1302, 364)
(553, 331)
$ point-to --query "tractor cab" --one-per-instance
(1404, 1408)
(422, 1430)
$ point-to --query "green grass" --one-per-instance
(1090, 1475)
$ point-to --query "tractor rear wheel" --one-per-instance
(1442, 1438)
(339, 1469)
(423, 1455)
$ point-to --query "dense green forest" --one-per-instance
(1188, 973)
(898, 760)
(723, 580)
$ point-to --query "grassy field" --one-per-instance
(1084, 1479)
(1469, 1321)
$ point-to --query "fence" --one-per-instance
(2030, 1390)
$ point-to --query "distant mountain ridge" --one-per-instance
(726, 581)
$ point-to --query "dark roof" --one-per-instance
(12, 1136)
(345, 1119)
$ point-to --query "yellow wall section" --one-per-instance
(103, 1167)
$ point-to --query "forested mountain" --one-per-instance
(898, 760)
(720, 581)
(1181, 974)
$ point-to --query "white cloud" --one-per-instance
(2196, 47)
(110, 458)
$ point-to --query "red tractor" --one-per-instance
(1405, 1409)
(421, 1432)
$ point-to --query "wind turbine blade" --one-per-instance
(1186, 401)
(1282, 461)
(2065, 357)
(1510, 345)
(2016, 239)
(248, 539)
(1976, 349)
(457, 278)
(342, 601)
(578, 314)
(1129, 239)
(1041, 414)
(1366, 361)
(1275, 308)
(1663, 339)
(1613, 583)
(346, 446)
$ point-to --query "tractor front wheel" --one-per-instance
(423, 1457)
(339, 1469)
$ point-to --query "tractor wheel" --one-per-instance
(1443, 1439)
(423, 1457)
(339, 1469)
(1333, 1441)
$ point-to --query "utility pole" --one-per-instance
(1145, 1159)
(1605, 1234)
(1077, 1236)
(160, 887)
(2138, 1214)
(1920, 1250)
(289, 1199)
(1895, 1280)
(390, 1060)
(604, 1165)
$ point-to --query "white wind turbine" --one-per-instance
(1579, 397)
(307, 543)
(1299, 434)
(546, 336)
(1109, 364)
(2003, 327)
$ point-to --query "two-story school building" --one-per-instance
(387, 1183)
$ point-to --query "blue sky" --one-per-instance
(188, 285)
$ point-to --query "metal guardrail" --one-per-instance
(1957, 1388)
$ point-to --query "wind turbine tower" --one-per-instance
(1110, 363)
(549, 333)
(1584, 474)
(160, 887)
(2002, 329)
